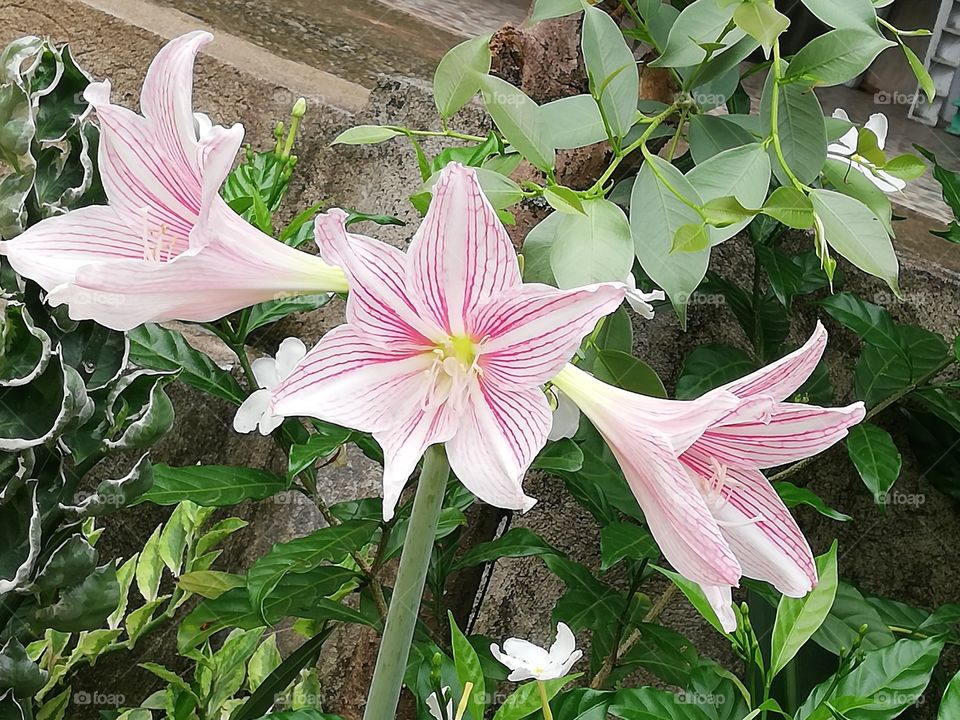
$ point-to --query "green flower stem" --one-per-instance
(544, 701)
(408, 591)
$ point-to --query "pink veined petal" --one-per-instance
(51, 252)
(404, 444)
(721, 600)
(349, 380)
(528, 334)
(218, 150)
(166, 97)
(782, 378)
(379, 302)
(199, 285)
(760, 529)
(501, 431)
(793, 432)
(150, 190)
(461, 256)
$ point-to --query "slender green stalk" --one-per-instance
(408, 591)
(545, 701)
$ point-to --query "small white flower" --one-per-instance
(269, 372)
(530, 662)
(845, 151)
(566, 416)
(433, 705)
(640, 301)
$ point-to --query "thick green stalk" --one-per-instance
(408, 591)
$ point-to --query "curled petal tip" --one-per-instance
(97, 93)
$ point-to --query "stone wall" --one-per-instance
(909, 553)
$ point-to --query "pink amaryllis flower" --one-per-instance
(694, 467)
(444, 345)
(166, 246)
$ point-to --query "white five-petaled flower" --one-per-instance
(444, 344)
(166, 246)
(845, 151)
(269, 372)
(531, 662)
(433, 705)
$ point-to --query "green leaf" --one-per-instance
(855, 184)
(515, 543)
(693, 593)
(793, 496)
(854, 231)
(625, 371)
(549, 9)
(761, 21)
(847, 14)
(726, 211)
(304, 554)
(211, 485)
(518, 118)
(621, 541)
(573, 122)
(69, 564)
(525, 700)
(893, 677)
(647, 703)
(791, 207)
(950, 704)
(850, 612)
(18, 673)
(922, 74)
(709, 367)
(799, 618)
(690, 238)
(469, 669)
(700, 23)
(783, 273)
(365, 135)
(588, 602)
(319, 445)
(710, 135)
(84, 606)
(801, 127)
(871, 322)
(155, 347)
(209, 583)
(560, 456)
(906, 167)
(876, 458)
(656, 214)
(275, 310)
(150, 567)
(458, 74)
(664, 652)
(837, 56)
(592, 247)
(612, 69)
(563, 199)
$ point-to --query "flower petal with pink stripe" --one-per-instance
(166, 247)
(444, 344)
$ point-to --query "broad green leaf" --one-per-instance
(876, 458)
(516, 542)
(854, 231)
(950, 704)
(560, 456)
(743, 172)
(700, 23)
(761, 21)
(265, 660)
(525, 700)
(893, 677)
(155, 347)
(304, 554)
(793, 496)
(209, 583)
(320, 445)
(588, 602)
(664, 652)
(843, 179)
(612, 69)
(150, 567)
(849, 613)
(709, 367)
(622, 540)
(563, 199)
(518, 118)
(549, 9)
(592, 247)
(723, 212)
(837, 56)
(783, 273)
(693, 593)
(18, 673)
(211, 485)
(791, 207)
(801, 127)
(573, 122)
(871, 322)
(906, 167)
(273, 311)
(85, 606)
(625, 371)
(799, 618)
(458, 74)
(847, 14)
(647, 703)
(922, 74)
(365, 135)
(709, 135)
(656, 214)
(690, 238)
(469, 669)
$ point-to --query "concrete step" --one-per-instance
(356, 40)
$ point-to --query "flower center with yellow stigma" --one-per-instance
(453, 367)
